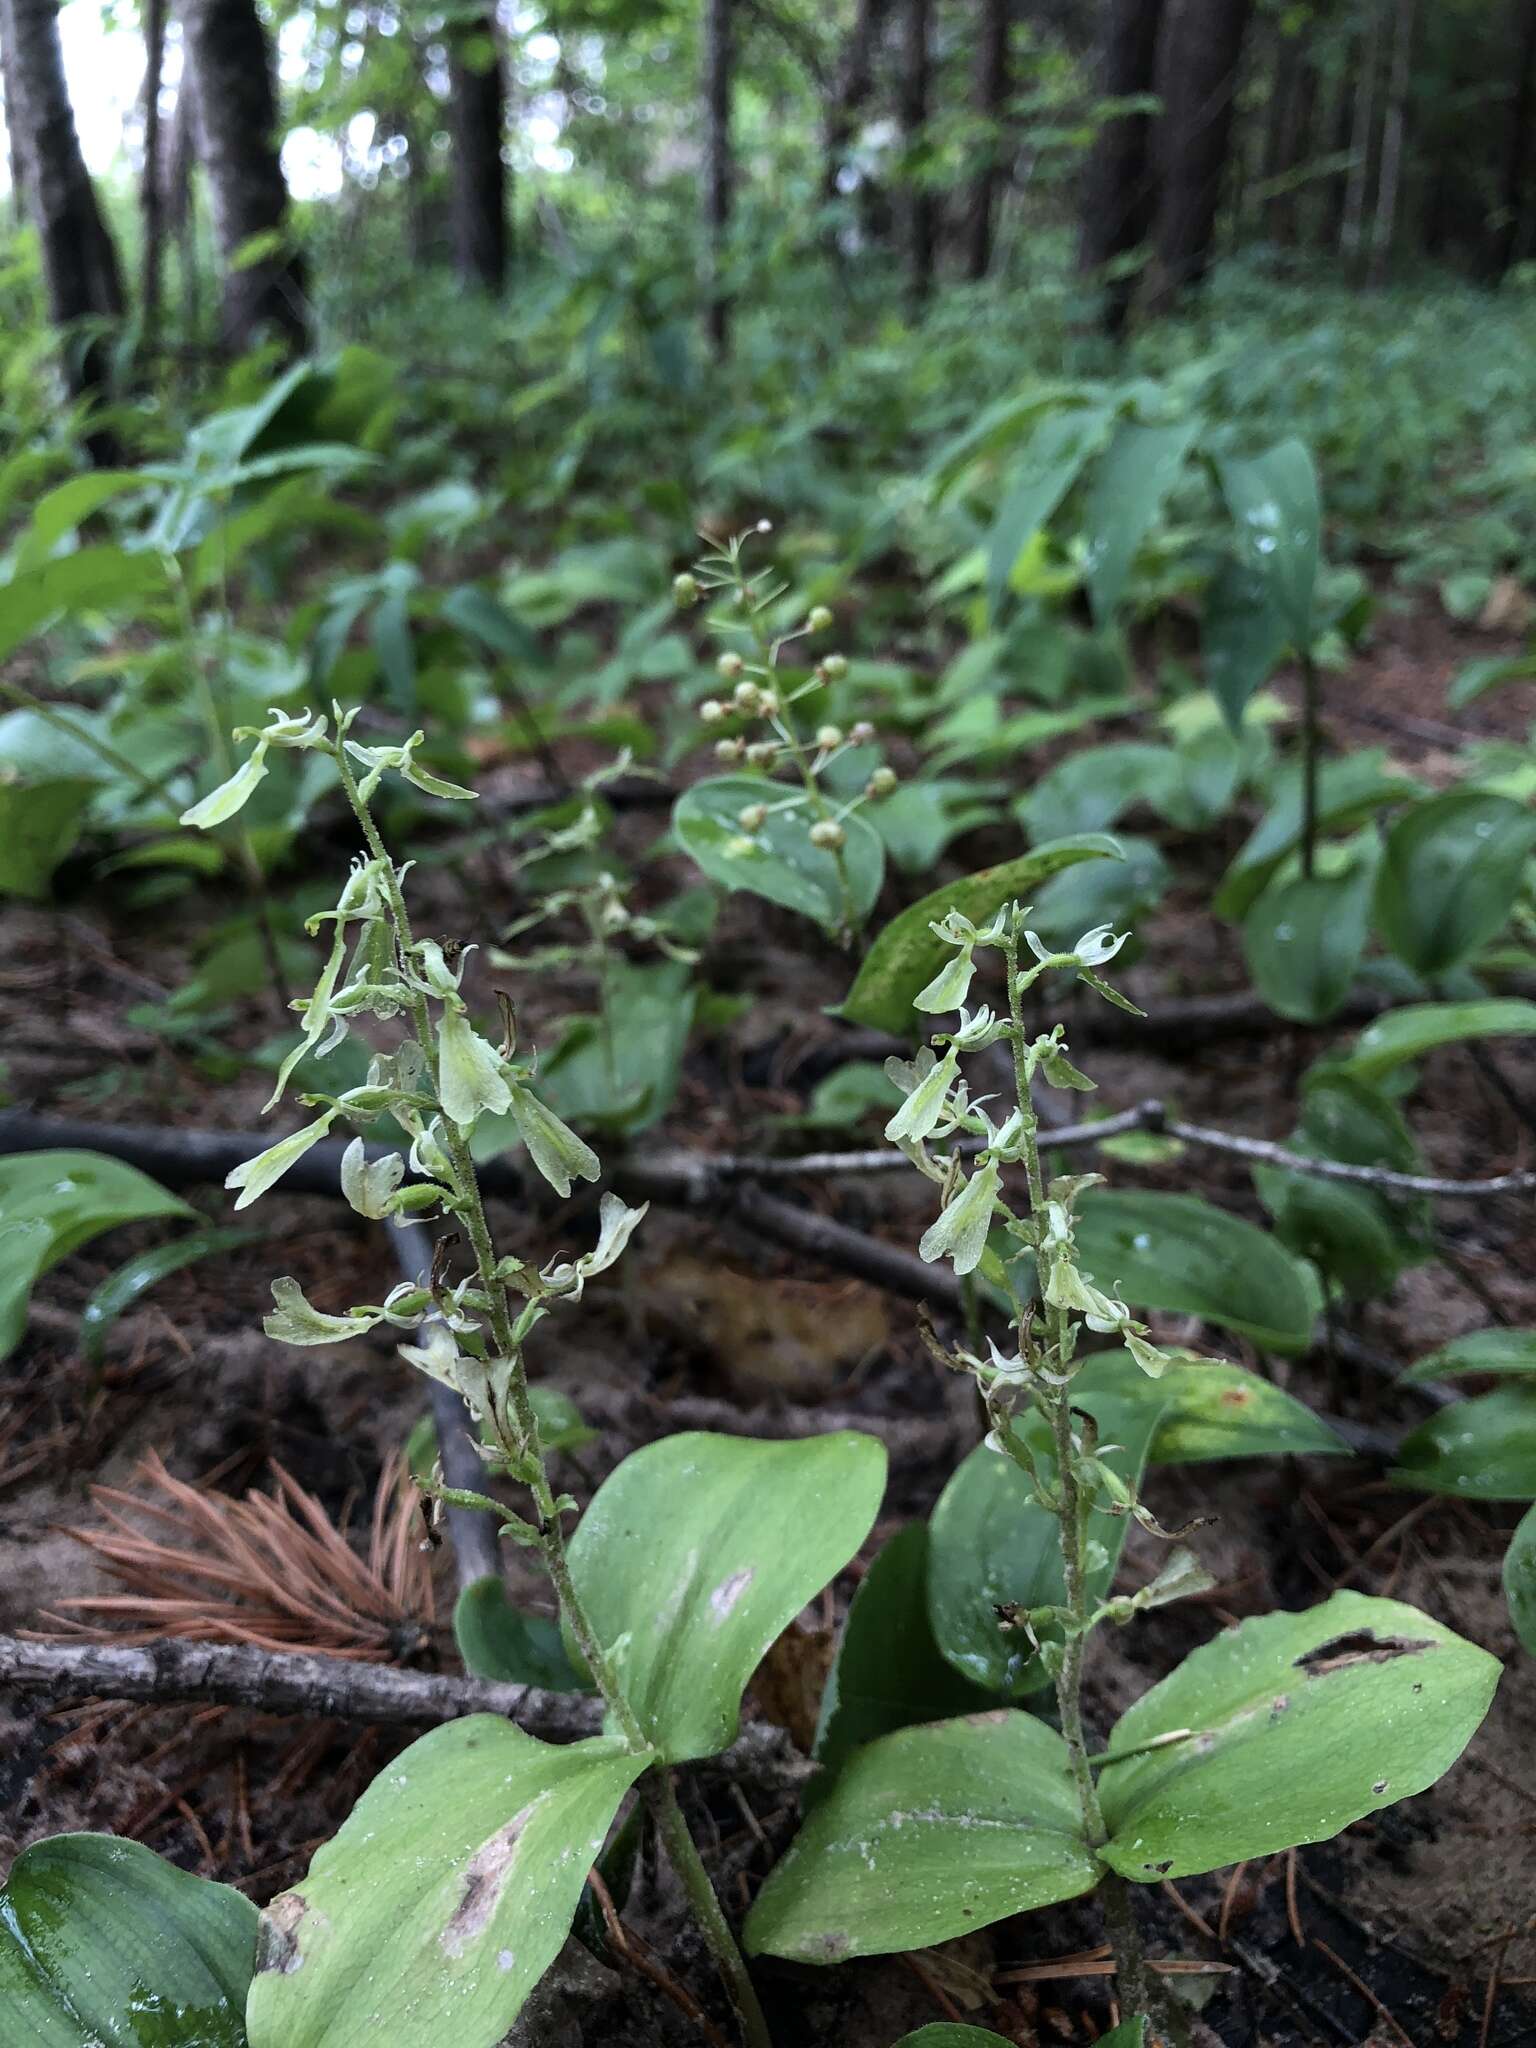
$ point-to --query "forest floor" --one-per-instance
(1415, 1926)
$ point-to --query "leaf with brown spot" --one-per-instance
(1386, 1701)
(445, 1897)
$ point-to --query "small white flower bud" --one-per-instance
(747, 697)
(765, 526)
(862, 733)
(882, 782)
(729, 750)
(828, 737)
(827, 834)
(820, 618)
(768, 703)
(712, 711)
(685, 591)
(752, 817)
(834, 667)
(615, 917)
(729, 666)
(763, 753)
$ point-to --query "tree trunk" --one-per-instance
(917, 36)
(855, 82)
(1196, 133)
(151, 190)
(1393, 124)
(80, 267)
(1288, 208)
(1513, 238)
(1352, 235)
(1119, 186)
(719, 169)
(1341, 127)
(13, 133)
(235, 106)
(476, 119)
(1279, 128)
(992, 85)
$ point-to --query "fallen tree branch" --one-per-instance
(173, 1672)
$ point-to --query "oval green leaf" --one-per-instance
(700, 1550)
(447, 1894)
(1520, 1580)
(1303, 940)
(1210, 1410)
(1450, 872)
(929, 1833)
(1178, 1252)
(120, 1290)
(1492, 1351)
(1135, 474)
(905, 955)
(103, 1944)
(778, 860)
(497, 1640)
(945, 2034)
(1419, 1028)
(1483, 1449)
(1293, 1726)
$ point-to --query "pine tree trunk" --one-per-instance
(235, 106)
(916, 62)
(992, 86)
(13, 133)
(476, 119)
(719, 169)
(1514, 237)
(1196, 134)
(1120, 186)
(1362, 127)
(151, 191)
(854, 84)
(1394, 122)
(80, 267)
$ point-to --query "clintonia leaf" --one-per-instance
(1304, 938)
(1181, 1253)
(103, 1944)
(777, 860)
(1091, 789)
(1450, 872)
(1263, 602)
(447, 1894)
(1059, 447)
(929, 1833)
(39, 824)
(1208, 1410)
(1419, 1028)
(497, 1640)
(1138, 469)
(1349, 791)
(1520, 1580)
(1492, 1351)
(120, 1290)
(1483, 1449)
(946, 2034)
(700, 1550)
(1295, 1726)
(905, 956)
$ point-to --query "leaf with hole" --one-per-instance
(446, 1895)
(930, 1833)
(700, 1550)
(1285, 1730)
(905, 955)
(1450, 872)
(103, 1944)
(776, 859)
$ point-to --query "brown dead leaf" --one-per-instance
(792, 1678)
(798, 1338)
(1508, 607)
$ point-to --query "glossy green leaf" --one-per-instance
(700, 1550)
(1181, 1253)
(1349, 791)
(120, 1290)
(1293, 1726)
(945, 2034)
(1274, 500)
(1419, 1028)
(63, 509)
(1059, 448)
(447, 1894)
(1209, 1410)
(1118, 893)
(1482, 1449)
(1450, 872)
(905, 955)
(889, 1671)
(24, 1254)
(1091, 790)
(91, 578)
(929, 1833)
(1520, 1580)
(1130, 483)
(991, 1545)
(1242, 637)
(777, 860)
(103, 1944)
(1492, 1351)
(39, 824)
(497, 1640)
(1487, 673)
(1304, 940)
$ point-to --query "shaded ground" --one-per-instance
(1421, 1907)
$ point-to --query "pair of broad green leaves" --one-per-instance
(452, 1886)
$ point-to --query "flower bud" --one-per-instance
(765, 526)
(881, 783)
(828, 737)
(685, 591)
(827, 834)
(862, 733)
(747, 696)
(729, 666)
(752, 817)
(712, 711)
(763, 753)
(615, 917)
(768, 703)
(729, 750)
(820, 618)
(834, 667)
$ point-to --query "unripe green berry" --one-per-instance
(828, 737)
(685, 591)
(729, 666)
(827, 834)
(834, 667)
(882, 782)
(820, 618)
(752, 817)
(728, 750)
(712, 711)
